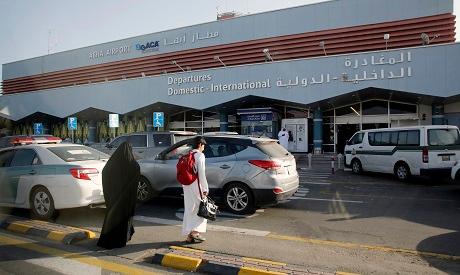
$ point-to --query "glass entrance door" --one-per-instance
(344, 133)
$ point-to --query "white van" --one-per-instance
(405, 151)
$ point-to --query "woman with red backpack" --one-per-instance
(192, 224)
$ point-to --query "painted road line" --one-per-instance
(255, 271)
(315, 182)
(390, 197)
(210, 227)
(315, 174)
(29, 245)
(364, 246)
(220, 263)
(187, 249)
(157, 220)
(302, 191)
(247, 259)
(221, 214)
(330, 200)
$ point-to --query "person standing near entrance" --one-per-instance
(192, 224)
(283, 138)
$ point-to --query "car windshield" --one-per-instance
(443, 136)
(272, 148)
(77, 153)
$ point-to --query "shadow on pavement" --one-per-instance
(449, 242)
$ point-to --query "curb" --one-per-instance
(51, 231)
(194, 260)
(210, 267)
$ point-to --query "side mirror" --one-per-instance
(349, 142)
(108, 145)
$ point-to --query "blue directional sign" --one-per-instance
(38, 129)
(158, 119)
(72, 123)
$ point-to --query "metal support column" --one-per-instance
(318, 132)
(223, 121)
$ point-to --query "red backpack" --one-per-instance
(185, 167)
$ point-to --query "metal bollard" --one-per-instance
(340, 161)
(333, 164)
(309, 160)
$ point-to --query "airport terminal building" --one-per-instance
(323, 71)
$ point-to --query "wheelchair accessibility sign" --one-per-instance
(158, 119)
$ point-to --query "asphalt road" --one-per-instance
(367, 223)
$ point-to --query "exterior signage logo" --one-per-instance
(375, 67)
(152, 46)
(110, 52)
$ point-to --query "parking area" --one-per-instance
(336, 221)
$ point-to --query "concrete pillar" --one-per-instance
(223, 121)
(92, 131)
(149, 125)
(437, 117)
(317, 132)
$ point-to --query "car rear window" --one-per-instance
(178, 138)
(77, 153)
(272, 148)
(162, 140)
(443, 137)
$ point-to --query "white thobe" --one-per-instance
(283, 137)
(192, 199)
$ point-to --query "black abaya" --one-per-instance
(120, 178)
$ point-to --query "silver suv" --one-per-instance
(243, 172)
(147, 144)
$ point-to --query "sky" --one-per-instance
(31, 28)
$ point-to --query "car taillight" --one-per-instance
(425, 155)
(266, 164)
(277, 190)
(83, 173)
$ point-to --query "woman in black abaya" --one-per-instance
(120, 177)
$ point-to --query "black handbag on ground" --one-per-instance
(208, 208)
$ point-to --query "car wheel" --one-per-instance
(238, 198)
(356, 166)
(42, 204)
(144, 190)
(402, 171)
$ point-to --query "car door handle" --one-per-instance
(360, 147)
(225, 166)
(32, 172)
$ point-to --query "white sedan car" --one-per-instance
(47, 177)
(455, 173)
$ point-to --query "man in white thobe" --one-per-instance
(283, 137)
(192, 225)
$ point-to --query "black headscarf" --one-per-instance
(120, 178)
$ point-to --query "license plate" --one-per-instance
(445, 158)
